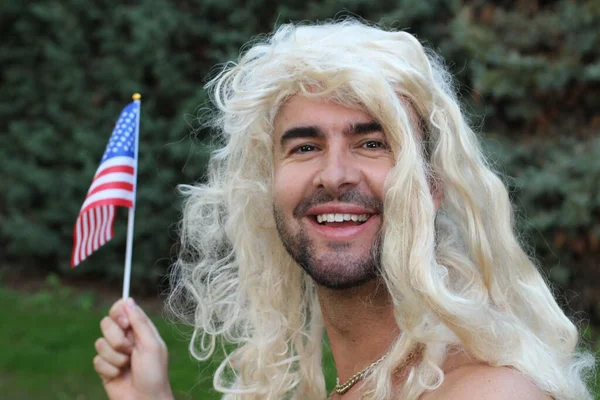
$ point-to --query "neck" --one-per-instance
(360, 325)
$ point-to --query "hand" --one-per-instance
(132, 357)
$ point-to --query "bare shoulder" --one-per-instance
(483, 382)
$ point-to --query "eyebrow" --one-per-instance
(358, 129)
(363, 128)
(300, 132)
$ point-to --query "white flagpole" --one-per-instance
(131, 216)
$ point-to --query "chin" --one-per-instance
(340, 272)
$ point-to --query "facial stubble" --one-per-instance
(338, 269)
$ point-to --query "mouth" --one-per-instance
(343, 227)
(341, 220)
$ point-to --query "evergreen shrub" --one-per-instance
(529, 74)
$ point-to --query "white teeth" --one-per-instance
(342, 217)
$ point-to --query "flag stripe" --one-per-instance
(113, 185)
(90, 239)
(109, 194)
(115, 162)
(107, 202)
(98, 221)
(112, 177)
(77, 243)
(82, 254)
(110, 223)
(105, 219)
(98, 217)
(119, 168)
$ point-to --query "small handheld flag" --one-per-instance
(114, 184)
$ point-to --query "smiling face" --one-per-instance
(330, 166)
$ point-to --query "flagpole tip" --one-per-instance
(136, 96)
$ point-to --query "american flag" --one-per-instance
(113, 185)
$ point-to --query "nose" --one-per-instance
(339, 171)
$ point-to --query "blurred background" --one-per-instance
(528, 72)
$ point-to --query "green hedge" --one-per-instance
(529, 74)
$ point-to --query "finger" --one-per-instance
(115, 335)
(104, 369)
(118, 314)
(144, 330)
(130, 336)
(110, 355)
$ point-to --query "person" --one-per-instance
(350, 198)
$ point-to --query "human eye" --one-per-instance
(375, 144)
(305, 148)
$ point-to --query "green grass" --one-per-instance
(47, 346)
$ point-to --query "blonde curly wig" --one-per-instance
(458, 276)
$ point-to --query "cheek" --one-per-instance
(287, 189)
(377, 177)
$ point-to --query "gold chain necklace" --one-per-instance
(344, 387)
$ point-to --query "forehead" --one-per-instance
(330, 116)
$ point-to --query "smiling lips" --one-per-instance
(330, 217)
(341, 222)
(345, 230)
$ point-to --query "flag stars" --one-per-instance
(121, 143)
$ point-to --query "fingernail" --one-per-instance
(130, 304)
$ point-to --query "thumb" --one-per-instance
(144, 330)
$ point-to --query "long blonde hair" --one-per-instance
(458, 277)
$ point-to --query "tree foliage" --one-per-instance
(528, 71)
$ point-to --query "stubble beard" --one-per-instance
(338, 269)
